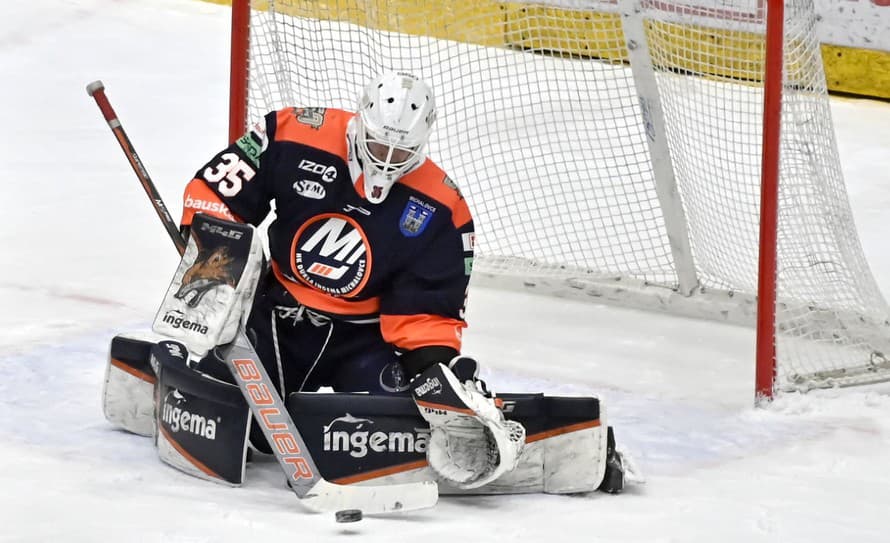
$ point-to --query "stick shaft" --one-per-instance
(97, 90)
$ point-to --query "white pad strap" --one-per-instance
(471, 444)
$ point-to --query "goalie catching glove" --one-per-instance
(471, 444)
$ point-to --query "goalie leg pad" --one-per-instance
(368, 439)
(128, 391)
(202, 422)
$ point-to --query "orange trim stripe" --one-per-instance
(316, 299)
(123, 366)
(444, 407)
(383, 472)
(195, 462)
(563, 430)
(409, 332)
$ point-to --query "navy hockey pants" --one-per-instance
(303, 350)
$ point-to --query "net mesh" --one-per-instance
(543, 125)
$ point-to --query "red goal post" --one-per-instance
(765, 348)
(238, 69)
(671, 155)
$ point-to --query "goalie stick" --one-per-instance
(265, 403)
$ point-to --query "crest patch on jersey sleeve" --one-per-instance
(312, 116)
(415, 217)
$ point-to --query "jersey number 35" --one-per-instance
(230, 172)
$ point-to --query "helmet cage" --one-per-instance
(395, 116)
(384, 158)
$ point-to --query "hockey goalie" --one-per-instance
(358, 288)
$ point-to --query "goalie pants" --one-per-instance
(304, 350)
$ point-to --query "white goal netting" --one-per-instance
(613, 149)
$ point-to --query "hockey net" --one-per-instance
(612, 149)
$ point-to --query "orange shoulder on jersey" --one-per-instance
(324, 129)
(430, 180)
(199, 198)
(409, 332)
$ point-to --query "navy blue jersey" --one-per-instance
(406, 261)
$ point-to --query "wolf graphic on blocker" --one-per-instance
(212, 268)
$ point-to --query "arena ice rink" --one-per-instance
(84, 258)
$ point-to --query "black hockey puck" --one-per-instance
(348, 515)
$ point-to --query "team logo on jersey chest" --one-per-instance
(331, 253)
(415, 217)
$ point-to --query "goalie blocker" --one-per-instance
(354, 438)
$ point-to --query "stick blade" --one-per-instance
(326, 497)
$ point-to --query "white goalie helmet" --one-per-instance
(395, 117)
